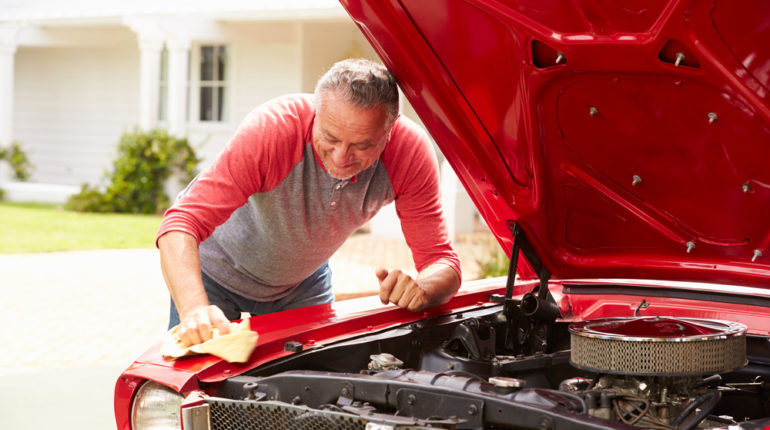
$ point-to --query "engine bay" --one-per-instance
(456, 372)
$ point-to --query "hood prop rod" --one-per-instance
(513, 264)
(528, 320)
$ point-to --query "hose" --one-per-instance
(710, 399)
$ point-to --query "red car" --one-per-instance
(620, 152)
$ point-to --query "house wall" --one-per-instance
(265, 63)
(324, 43)
(71, 105)
(77, 90)
(270, 59)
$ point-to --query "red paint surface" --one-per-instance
(520, 131)
(651, 327)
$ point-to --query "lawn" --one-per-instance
(29, 227)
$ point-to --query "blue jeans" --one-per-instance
(314, 290)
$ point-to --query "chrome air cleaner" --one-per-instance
(659, 346)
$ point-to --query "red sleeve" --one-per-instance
(266, 146)
(413, 169)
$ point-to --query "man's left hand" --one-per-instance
(401, 289)
(435, 285)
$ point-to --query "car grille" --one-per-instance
(228, 414)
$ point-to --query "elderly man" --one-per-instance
(255, 230)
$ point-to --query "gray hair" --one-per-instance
(363, 83)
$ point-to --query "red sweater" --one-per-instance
(267, 215)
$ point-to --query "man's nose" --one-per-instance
(342, 154)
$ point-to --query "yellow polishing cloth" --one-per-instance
(235, 346)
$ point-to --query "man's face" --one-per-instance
(348, 138)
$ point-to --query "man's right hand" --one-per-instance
(180, 264)
(197, 324)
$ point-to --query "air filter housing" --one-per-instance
(658, 346)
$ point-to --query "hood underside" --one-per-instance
(627, 138)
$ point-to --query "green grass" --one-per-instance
(31, 227)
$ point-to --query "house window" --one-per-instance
(213, 92)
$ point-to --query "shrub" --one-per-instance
(144, 162)
(17, 158)
(493, 262)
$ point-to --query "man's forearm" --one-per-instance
(440, 282)
(180, 264)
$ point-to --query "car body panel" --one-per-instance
(616, 160)
(318, 326)
(313, 327)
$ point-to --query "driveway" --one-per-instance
(73, 321)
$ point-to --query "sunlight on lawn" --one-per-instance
(43, 228)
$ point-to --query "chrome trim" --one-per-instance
(722, 330)
(196, 418)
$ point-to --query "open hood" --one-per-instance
(627, 138)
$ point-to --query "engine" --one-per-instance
(655, 372)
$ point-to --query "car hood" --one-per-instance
(627, 139)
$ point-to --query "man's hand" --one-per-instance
(197, 324)
(400, 289)
(180, 264)
(434, 286)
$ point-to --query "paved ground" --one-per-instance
(73, 321)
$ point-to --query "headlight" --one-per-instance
(156, 407)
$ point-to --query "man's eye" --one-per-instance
(363, 146)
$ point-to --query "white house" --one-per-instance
(75, 75)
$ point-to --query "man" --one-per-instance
(255, 230)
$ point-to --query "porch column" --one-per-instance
(150, 38)
(149, 82)
(8, 42)
(178, 65)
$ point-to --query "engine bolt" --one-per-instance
(593, 111)
(712, 117)
(690, 246)
(679, 58)
(559, 58)
(757, 254)
(345, 392)
(636, 179)
(411, 400)
(746, 188)
(473, 410)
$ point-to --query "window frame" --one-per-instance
(197, 84)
